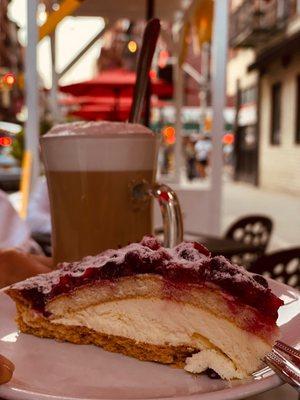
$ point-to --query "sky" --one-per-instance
(71, 35)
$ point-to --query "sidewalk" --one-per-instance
(241, 199)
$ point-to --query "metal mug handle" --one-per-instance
(169, 206)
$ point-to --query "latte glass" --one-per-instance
(101, 178)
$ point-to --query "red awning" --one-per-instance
(103, 100)
(99, 110)
(118, 83)
(95, 112)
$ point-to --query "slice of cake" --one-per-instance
(175, 306)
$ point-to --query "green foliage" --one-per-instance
(17, 147)
(45, 126)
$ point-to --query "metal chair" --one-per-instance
(283, 266)
(253, 230)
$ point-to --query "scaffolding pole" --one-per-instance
(55, 111)
(32, 92)
(83, 51)
(178, 89)
(219, 61)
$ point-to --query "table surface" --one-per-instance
(217, 245)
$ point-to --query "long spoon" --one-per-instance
(150, 37)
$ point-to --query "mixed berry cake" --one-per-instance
(175, 306)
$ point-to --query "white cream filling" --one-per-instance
(215, 360)
(229, 350)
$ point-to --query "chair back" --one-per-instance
(283, 266)
(254, 230)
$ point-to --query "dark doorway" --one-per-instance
(246, 154)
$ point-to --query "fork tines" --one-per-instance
(290, 351)
(285, 361)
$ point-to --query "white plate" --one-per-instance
(50, 370)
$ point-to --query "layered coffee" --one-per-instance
(91, 169)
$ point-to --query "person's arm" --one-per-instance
(16, 266)
(6, 370)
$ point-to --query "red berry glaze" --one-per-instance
(187, 263)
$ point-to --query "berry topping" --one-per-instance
(261, 280)
(151, 242)
(188, 263)
(190, 252)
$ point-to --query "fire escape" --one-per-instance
(255, 22)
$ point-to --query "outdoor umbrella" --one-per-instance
(117, 83)
(102, 100)
(93, 112)
(106, 111)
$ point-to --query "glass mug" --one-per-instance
(101, 177)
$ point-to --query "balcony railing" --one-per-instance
(254, 21)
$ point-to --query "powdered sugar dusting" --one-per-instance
(187, 263)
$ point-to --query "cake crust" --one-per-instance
(43, 328)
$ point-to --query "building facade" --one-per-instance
(11, 66)
(264, 77)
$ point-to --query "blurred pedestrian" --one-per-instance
(190, 157)
(228, 154)
(203, 150)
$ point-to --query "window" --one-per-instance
(297, 133)
(275, 113)
(249, 95)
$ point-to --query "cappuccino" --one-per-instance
(91, 169)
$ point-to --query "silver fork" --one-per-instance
(285, 361)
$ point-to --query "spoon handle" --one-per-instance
(150, 37)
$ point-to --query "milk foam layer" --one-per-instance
(99, 146)
(99, 128)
